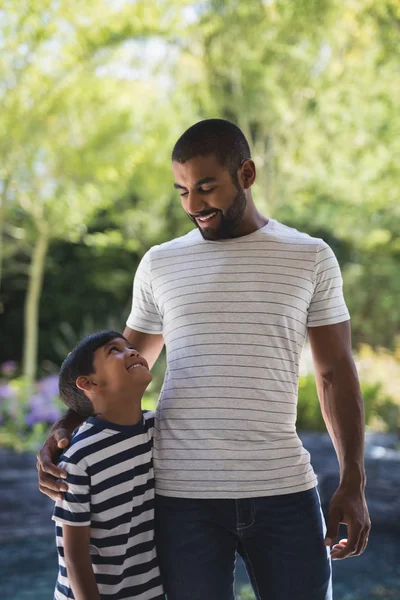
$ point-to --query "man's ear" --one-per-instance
(247, 173)
(85, 384)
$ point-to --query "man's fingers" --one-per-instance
(51, 469)
(50, 475)
(45, 464)
(344, 551)
(351, 510)
(332, 531)
(340, 551)
(360, 545)
(61, 437)
(354, 545)
(63, 443)
(51, 486)
(54, 495)
(50, 452)
(351, 548)
(339, 554)
(51, 483)
(364, 539)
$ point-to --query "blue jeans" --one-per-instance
(280, 539)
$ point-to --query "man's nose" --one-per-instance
(194, 203)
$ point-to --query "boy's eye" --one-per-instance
(114, 348)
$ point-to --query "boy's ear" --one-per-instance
(85, 384)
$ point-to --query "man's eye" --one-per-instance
(183, 194)
(206, 191)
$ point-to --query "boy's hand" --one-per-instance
(49, 474)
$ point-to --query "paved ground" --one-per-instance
(27, 550)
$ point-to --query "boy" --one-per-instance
(105, 522)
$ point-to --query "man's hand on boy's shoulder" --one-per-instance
(59, 438)
(49, 474)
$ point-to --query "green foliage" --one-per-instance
(381, 408)
(94, 96)
(246, 593)
(316, 92)
(309, 417)
(26, 412)
(381, 411)
(22, 439)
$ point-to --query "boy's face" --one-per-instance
(118, 368)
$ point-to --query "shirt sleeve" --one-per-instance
(74, 508)
(144, 315)
(327, 305)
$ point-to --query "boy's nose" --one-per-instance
(133, 352)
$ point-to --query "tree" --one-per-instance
(69, 132)
(314, 86)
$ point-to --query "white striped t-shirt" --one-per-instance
(111, 488)
(234, 315)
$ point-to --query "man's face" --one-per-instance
(119, 368)
(209, 197)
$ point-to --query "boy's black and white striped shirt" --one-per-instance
(111, 488)
(234, 315)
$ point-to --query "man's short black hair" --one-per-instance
(80, 362)
(213, 136)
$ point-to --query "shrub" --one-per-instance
(26, 414)
(381, 411)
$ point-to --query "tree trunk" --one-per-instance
(32, 302)
(3, 199)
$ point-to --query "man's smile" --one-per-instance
(206, 220)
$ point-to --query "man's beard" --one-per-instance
(229, 221)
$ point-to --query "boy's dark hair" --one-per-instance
(214, 136)
(80, 362)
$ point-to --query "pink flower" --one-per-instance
(8, 368)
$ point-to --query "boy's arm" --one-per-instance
(78, 563)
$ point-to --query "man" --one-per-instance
(233, 301)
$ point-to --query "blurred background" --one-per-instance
(93, 95)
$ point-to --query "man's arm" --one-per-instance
(149, 345)
(78, 563)
(343, 411)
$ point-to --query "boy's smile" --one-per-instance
(138, 362)
(116, 381)
(118, 368)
